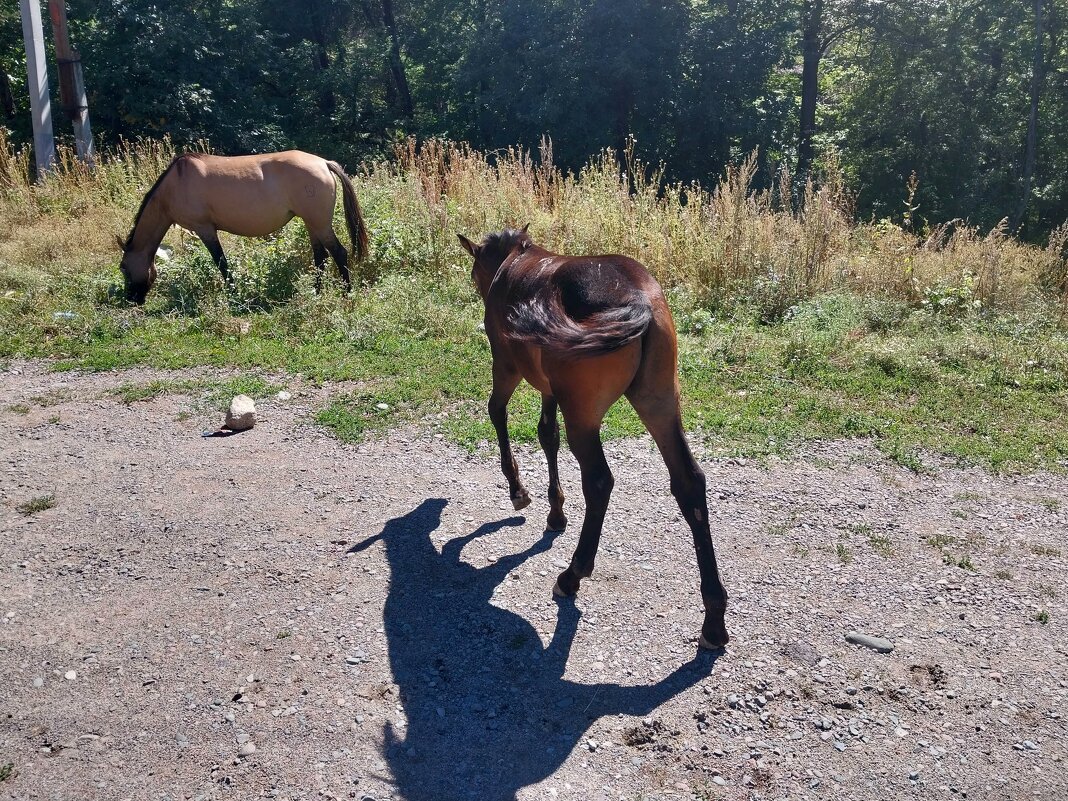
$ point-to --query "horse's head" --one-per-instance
(490, 255)
(138, 271)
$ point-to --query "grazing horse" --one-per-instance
(585, 330)
(243, 195)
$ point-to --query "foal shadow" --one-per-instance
(488, 710)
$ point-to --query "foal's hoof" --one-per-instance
(520, 501)
(559, 593)
(713, 645)
(556, 523)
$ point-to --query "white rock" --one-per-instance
(241, 415)
(70, 675)
(284, 396)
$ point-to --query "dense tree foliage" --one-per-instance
(970, 95)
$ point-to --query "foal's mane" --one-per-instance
(504, 242)
(176, 161)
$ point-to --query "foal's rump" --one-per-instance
(589, 307)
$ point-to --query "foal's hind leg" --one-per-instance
(549, 437)
(584, 439)
(660, 413)
(504, 383)
(210, 238)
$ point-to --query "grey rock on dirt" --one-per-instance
(868, 641)
(241, 415)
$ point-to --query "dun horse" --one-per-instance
(243, 195)
(585, 331)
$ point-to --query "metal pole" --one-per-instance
(44, 147)
(71, 86)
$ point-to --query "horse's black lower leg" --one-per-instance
(341, 256)
(597, 483)
(549, 437)
(211, 242)
(504, 385)
(688, 487)
(319, 254)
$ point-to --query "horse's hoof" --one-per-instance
(520, 501)
(710, 645)
(556, 523)
(559, 593)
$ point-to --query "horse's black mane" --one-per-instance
(148, 196)
(504, 242)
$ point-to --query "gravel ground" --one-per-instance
(277, 614)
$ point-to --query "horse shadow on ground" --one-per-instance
(488, 710)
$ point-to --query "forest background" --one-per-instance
(970, 95)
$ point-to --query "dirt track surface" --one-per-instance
(378, 622)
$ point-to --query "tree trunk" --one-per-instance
(396, 64)
(811, 22)
(327, 101)
(7, 98)
(1038, 75)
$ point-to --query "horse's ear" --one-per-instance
(119, 241)
(525, 227)
(469, 246)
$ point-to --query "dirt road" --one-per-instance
(276, 614)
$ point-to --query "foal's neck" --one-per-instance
(151, 225)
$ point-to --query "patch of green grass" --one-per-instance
(283, 635)
(844, 553)
(1003, 575)
(1041, 616)
(1046, 591)
(7, 770)
(940, 540)
(1039, 549)
(1050, 504)
(967, 496)
(19, 408)
(211, 392)
(881, 544)
(37, 504)
(965, 563)
(918, 385)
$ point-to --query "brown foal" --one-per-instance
(243, 195)
(583, 331)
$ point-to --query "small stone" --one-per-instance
(38, 682)
(868, 641)
(839, 745)
(382, 407)
(284, 396)
(70, 675)
(241, 415)
(719, 780)
(246, 749)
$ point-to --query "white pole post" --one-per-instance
(44, 146)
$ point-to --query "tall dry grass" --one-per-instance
(730, 244)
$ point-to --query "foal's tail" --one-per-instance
(353, 218)
(543, 321)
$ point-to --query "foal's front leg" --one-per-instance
(504, 384)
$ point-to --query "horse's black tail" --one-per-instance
(353, 218)
(543, 321)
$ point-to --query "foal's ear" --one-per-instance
(524, 229)
(119, 241)
(469, 246)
